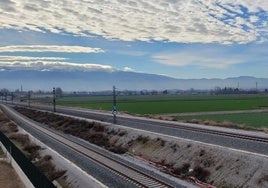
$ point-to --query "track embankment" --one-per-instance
(220, 166)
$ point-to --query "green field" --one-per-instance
(255, 120)
(180, 104)
(168, 104)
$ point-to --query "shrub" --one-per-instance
(9, 127)
(21, 138)
(200, 173)
(122, 133)
(70, 130)
(4, 118)
(174, 147)
(48, 168)
(218, 167)
(193, 121)
(31, 148)
(262, 179)
(118, 149)
(57, 174)
(112, 132)
(142, 139)
(184, 169)
(202, 152)
(13, 127)
(226, 124)
(99, 139)
(98, 128)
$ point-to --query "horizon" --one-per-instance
(177, 39)
(79, 80)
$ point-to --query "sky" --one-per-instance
(176, 38)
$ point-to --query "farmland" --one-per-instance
(255, 120)
(168, 104)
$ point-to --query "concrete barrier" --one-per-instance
(17, 168)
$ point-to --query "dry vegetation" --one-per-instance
(219, 124)
(93, 132)
(225, 124)
(208, 122)
(30, 150)
(202, 122)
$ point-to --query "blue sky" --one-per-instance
(177, 38)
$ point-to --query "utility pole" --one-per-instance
(12, 97)
(256, 86)
(20, 93)
(29, 97)
(114, 104)
(6, 97)
(54, 99)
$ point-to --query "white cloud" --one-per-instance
(172, 20)
(194, 59)
(216, 58)
(49, 48)
(48, 66)
(130, 53)
(128, 69)
(29, 58)
(254, 19)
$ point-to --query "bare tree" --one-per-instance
(59, 92)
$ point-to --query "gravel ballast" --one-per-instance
(217, 165)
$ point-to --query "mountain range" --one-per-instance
(97, 80)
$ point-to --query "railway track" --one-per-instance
(249, 141)
(234, 135)
(129, 120)
(133, 175)
(214, 132)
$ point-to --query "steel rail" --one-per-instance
(133, 175)
(203, 130)
(153, 122)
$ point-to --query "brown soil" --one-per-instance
(8, 176)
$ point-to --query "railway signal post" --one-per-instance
(6, 97)
(12, 97)
(54, 99)
(29, 98)
(114, 112)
